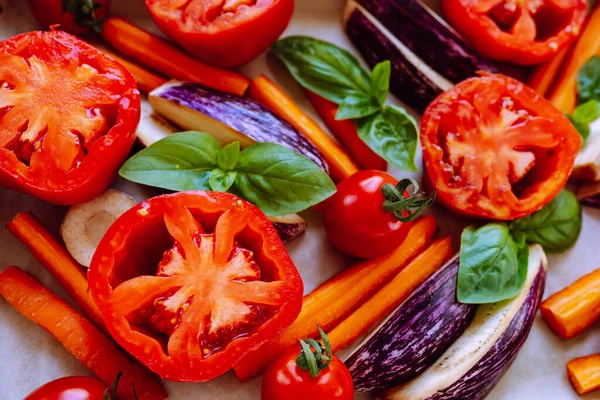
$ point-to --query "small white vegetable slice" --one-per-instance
(85, 224)
(587, 163)
(153, 127)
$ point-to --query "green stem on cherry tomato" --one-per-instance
(111, 394)
(408, 208)
(315, 356)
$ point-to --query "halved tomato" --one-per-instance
(190, 282)
(523, 32)
(496, 149)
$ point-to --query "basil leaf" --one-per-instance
(221, 181)
(322, 67)
(588, 80)
(492, 265)
(280, 181)
(583, 116)
(556, 227)
(380, 81)
(229, 156)
(179, 162)
(392, 134)
(357, 106)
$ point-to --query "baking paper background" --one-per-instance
(30, 357)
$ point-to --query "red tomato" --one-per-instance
(188, 283)
(355, 221)
(495, 149)
(523, 32)
(74, 16)
(284, 379)
(68, 117)
(223, 33)
(70, 388)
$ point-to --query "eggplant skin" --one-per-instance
(479, 381)
(592, 201)
(415, 336)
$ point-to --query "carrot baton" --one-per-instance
(53, 255)
(584, 373)
(574, 308)
(78, 335)
(544, 75)
(159, 55)
(147, 81)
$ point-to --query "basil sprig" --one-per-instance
(277, 180)
(335, 74)
(493, 258)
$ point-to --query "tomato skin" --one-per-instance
(204, 338)
(70, 388)
(229, 40)
(283, 379)
(51, 12)
(355, 221)
(474, 134)
(488, 38)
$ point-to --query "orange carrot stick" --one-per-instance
(391, 295)
(147, 81)
(584, 373)
(574, 308)
(345, 132)
(564, 95)
(52, 255)
(79, 336)
(268, 93)
(544, 75)
(338, 297)
(159, 55)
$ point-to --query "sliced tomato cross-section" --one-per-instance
(190, 282)
(68, 115)
(495, 149)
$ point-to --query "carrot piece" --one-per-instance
(338, 297)
(147, 81)
(345, 132)
(268, 93)
(584, 373)
(571, 310)
(52, 255)
(544, 75)
(564, 95)
(78, 335)
(161, 56)
(392, 294)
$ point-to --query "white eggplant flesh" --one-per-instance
(587, 163)
(153, 127)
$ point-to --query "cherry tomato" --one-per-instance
(284, 379)
(355, 221)
(70, 388)
(73, 16)
(523, 32)
(495, 149)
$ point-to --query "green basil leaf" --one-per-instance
(392, 134)
(182, 161)
(492, 266)
(380, 81)
(280, 181)
(322, 67)
(583, 116)
(221, 181)
(582, 127)
(357, 106)
(229, 156)
(588, 80)
(556, 227)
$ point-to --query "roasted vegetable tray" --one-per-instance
(30, 357)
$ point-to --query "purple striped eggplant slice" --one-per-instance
(474, 364)
(228, 118)
(416, 334)
(588, 194)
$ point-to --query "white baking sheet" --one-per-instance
(30, 357)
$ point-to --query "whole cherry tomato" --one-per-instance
(74, 16)
(361, 221)
(70, 388)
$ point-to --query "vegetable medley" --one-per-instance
(197, 281)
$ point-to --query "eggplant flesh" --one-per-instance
(416, 334)
(474, 364)
(588, 194)
(289, 226)
(587, 163)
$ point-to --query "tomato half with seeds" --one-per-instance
(496, 149)
(226, 33)
(523, 32)
(190, 282)
(68, 115)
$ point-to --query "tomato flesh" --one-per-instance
(495, 149)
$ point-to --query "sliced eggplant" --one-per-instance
(476, 361)
(152, 127)
(414, 336)
(228, 118)
(588, 194)
(289, 226)
(587, 163)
